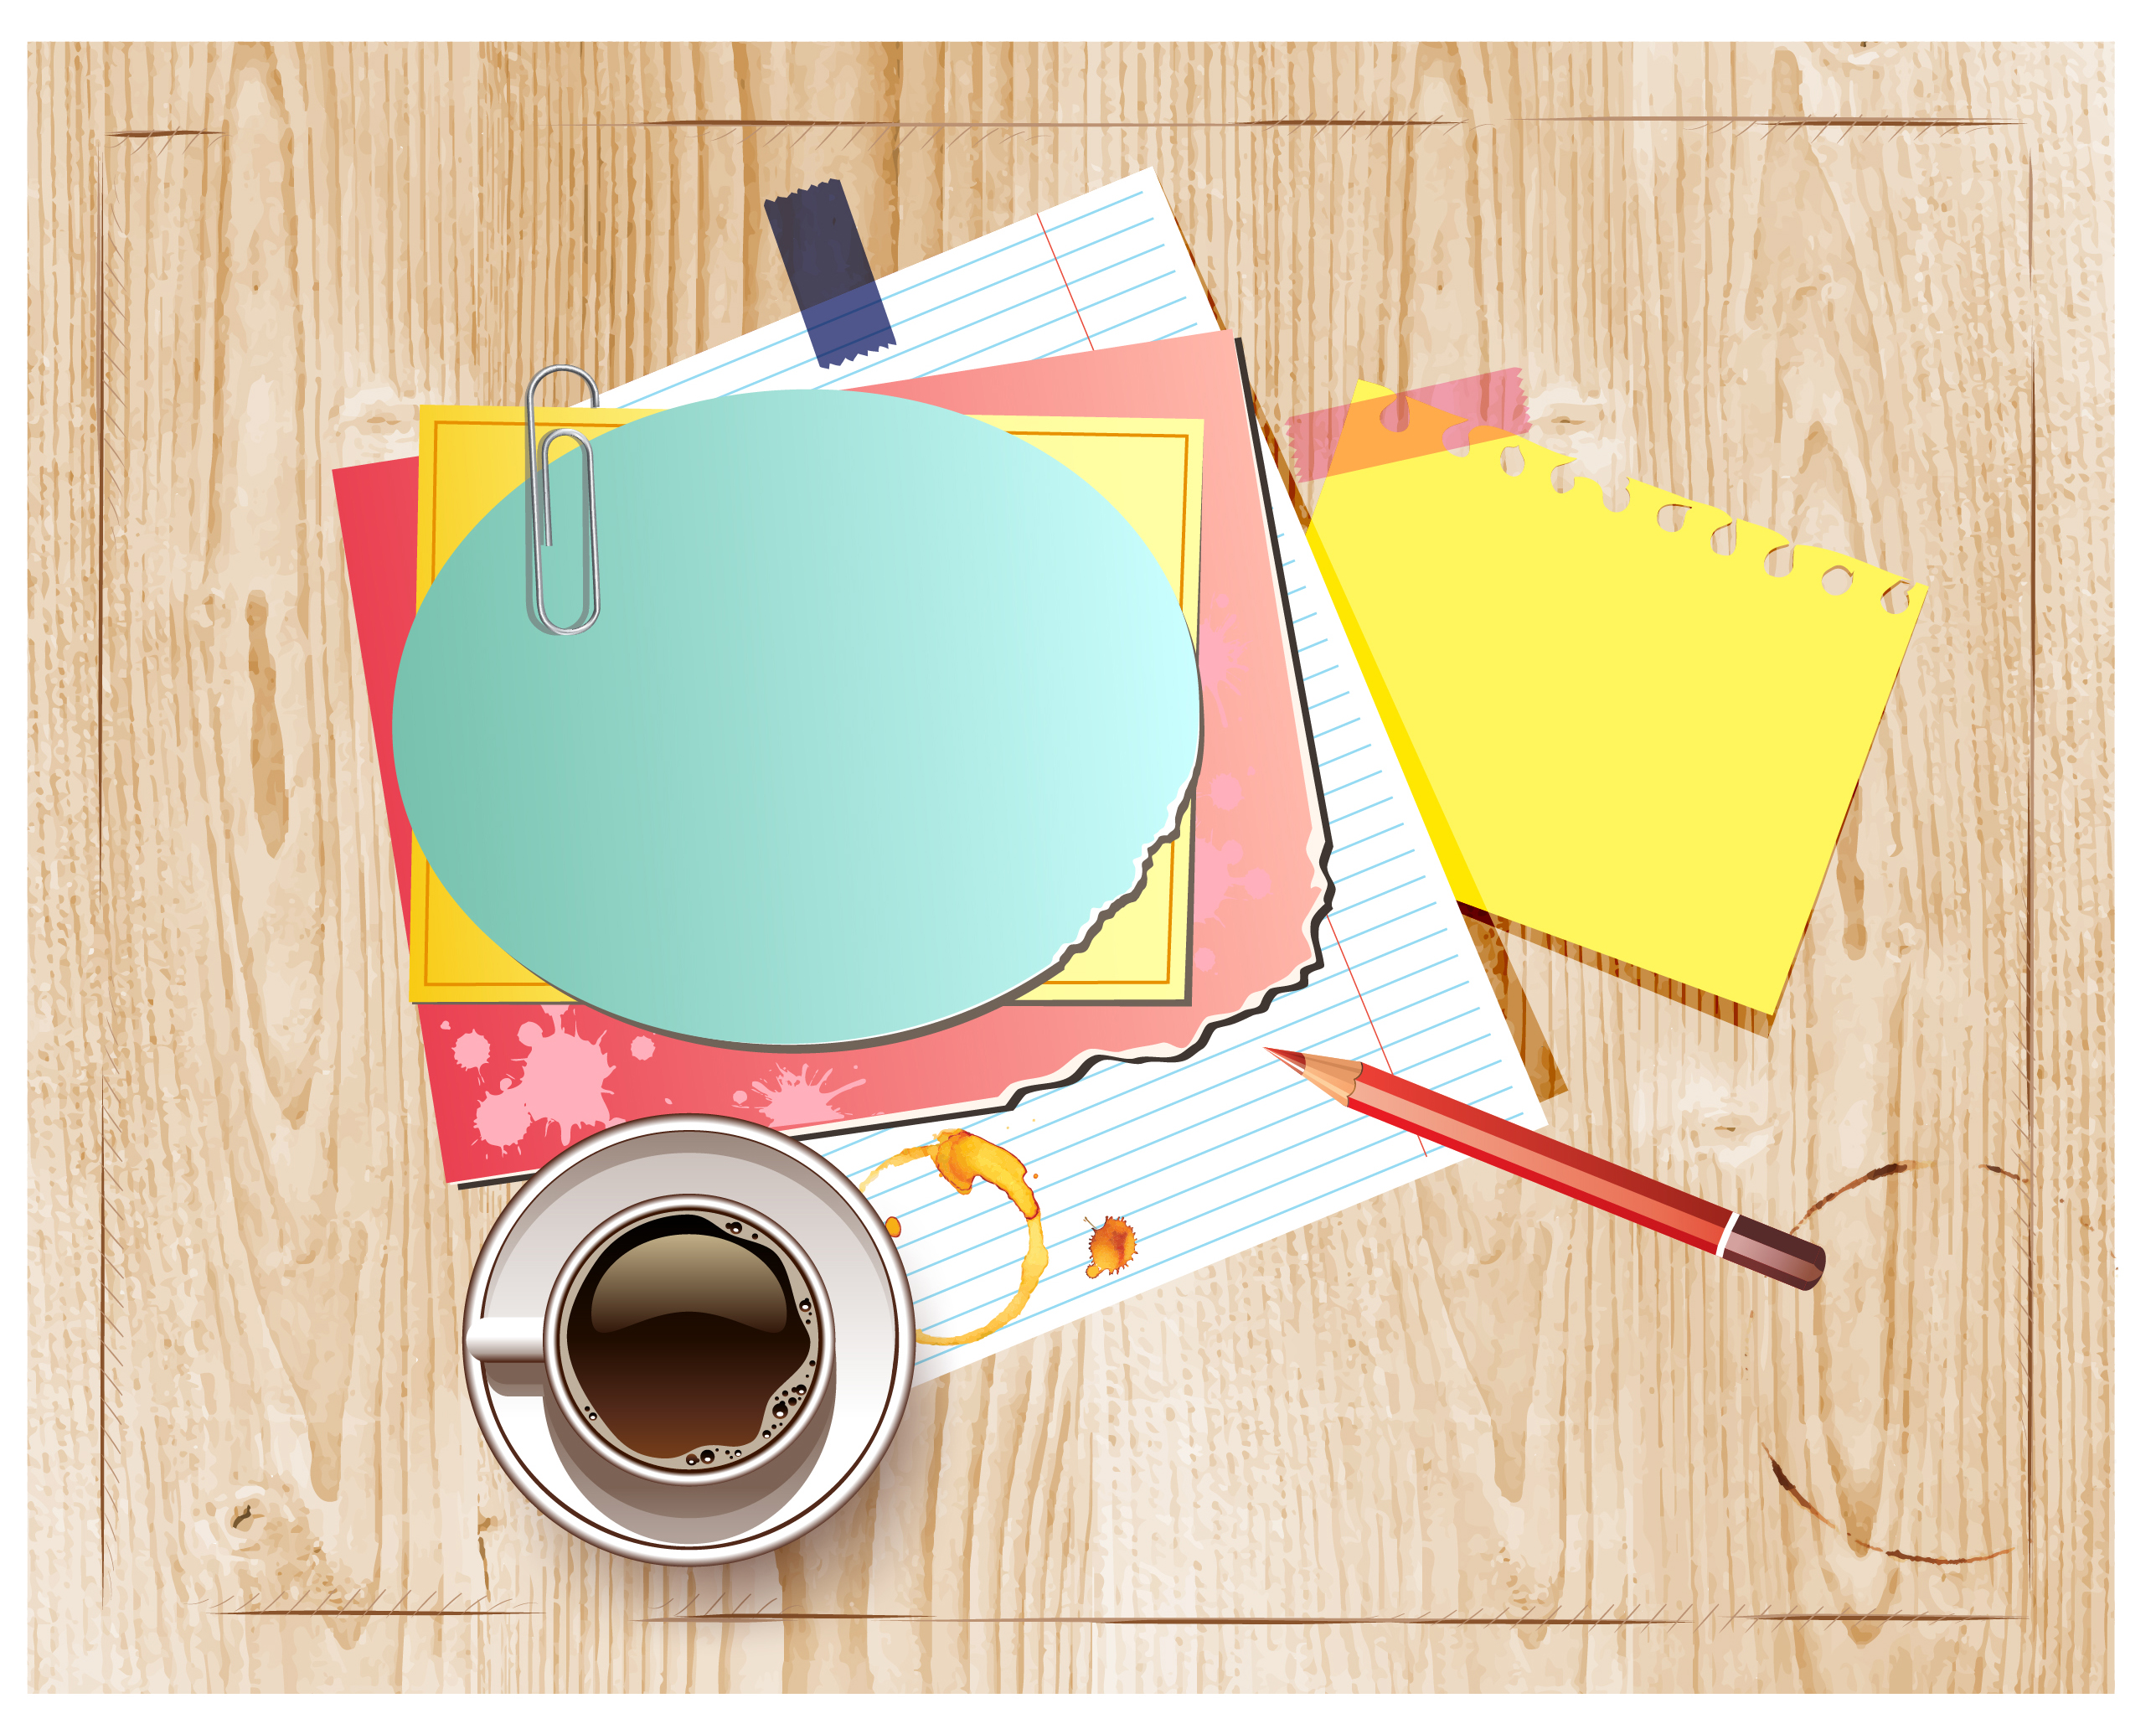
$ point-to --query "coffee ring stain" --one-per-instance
(962, 1156)
(1900, 1168)
(1782, 1477)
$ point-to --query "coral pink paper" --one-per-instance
(515, 1083)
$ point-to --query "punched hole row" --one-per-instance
(1836, 579)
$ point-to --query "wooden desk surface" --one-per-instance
(1467, 1435)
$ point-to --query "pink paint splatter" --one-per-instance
(500, 1120)
(1204, 960)
(445, 1026)
(472, 1050)
(563, 1083)
(642, 1048)
(795, 1099)
(1219, 659)
(1225, 791)
(1216, 875)
(741, 1098)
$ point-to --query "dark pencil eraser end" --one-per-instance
(1776, 1253)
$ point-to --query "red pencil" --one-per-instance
(1704, 1224)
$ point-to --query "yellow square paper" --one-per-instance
(472, 458)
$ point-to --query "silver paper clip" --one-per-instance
(537, 487)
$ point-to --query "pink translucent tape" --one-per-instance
(1489, 405)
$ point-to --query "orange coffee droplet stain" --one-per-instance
(891, 1225)
(962, 1156)
(1114, 1246)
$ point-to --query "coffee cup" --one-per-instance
(687, 1340)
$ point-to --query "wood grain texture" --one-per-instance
(1464, 1435)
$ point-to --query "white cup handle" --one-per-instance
(507, 1339)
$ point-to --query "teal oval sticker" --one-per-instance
(883, 710)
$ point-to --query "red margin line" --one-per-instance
(1340, 950)
(1075, 312)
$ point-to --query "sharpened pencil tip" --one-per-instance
(1294, 1059)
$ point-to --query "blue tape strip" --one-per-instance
(829, 270)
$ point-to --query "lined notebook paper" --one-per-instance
(1226, 1149)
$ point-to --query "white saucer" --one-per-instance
(868, 1345)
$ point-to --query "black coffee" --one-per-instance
(691, 1340)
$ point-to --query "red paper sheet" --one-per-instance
(514, 1083)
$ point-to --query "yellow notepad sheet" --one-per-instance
(1616, 733)
(1149, 470)
(472, 458)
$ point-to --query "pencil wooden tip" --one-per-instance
(1294, 1059)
